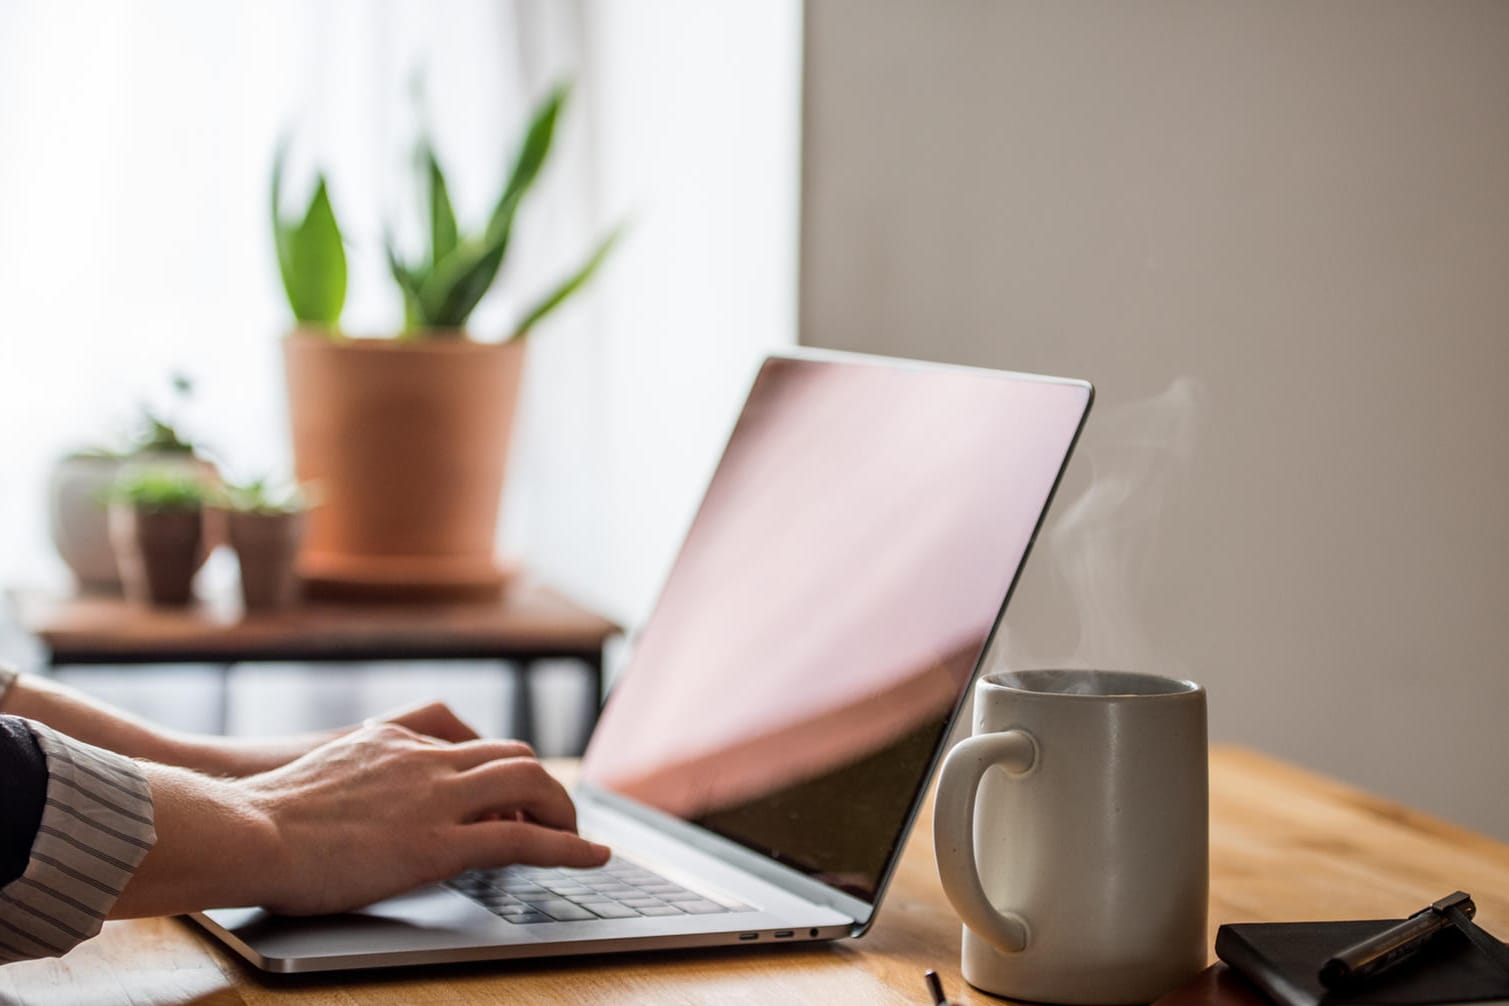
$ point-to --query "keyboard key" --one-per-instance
(608, 910)
(660, 910)
(680, 896)
(563, 911)
(700, 907)
(619, 890)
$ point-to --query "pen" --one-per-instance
(1397, 943)
(935, 988)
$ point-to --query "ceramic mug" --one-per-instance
(1072, 836)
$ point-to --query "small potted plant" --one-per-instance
(265, 523)
(80, 484)
(408, 438)
(157, 528)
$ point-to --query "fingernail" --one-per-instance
(601, 850)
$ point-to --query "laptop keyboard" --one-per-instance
(619, 889)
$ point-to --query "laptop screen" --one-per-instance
(830, 602)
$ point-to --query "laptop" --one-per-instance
(761, 759)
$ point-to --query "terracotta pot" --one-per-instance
(267, 547)
(158, 552)
(405, 445)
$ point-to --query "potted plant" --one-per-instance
(157, 528)
(408, 437)
(80, 483)
(265, 524)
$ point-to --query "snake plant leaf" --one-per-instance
(461, 287)
(532, 154)
(311, 256)
(572, 283)
(282, 233)
(443, 233)
(449, 294)
(316, 279)
(408, 285)
(440, 294)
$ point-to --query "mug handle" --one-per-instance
(954, 831)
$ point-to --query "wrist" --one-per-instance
(217, 847)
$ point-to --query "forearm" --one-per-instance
(75, 714)
(82, 718)
(214, 848)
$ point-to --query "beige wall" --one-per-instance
(1304, 208)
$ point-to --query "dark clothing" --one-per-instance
(23, 788)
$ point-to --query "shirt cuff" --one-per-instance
(96, 829)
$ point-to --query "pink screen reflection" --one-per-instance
(835, 589)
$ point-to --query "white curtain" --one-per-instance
(135, 147)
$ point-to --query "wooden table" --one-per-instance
(531, 622)
(1285, 845)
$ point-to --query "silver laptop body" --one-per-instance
(771, 740)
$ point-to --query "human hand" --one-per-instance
(244, 756)
(373, 813)
(430, 719)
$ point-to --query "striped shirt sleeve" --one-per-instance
(96, 829)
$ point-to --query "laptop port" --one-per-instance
(749, 936)
(783, 934)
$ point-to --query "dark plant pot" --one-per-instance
(267, 546)
(158, 552)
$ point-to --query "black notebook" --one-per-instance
(1283, 959)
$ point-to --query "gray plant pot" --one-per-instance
(76, 516)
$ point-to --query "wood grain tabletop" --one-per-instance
(1286, 844)
(529, 617)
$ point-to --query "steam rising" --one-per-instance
(1104, 543)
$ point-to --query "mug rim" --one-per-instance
(1156, 686)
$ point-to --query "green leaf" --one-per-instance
(443, 235)
(408, 284)
(282, 234)
(571, 285)
(449, 295)
(458, 280)
(460, 288)
(532, 154)
(311, 257)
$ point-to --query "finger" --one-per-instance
(433, 719)
(487, 844)
(470, 754)
(507, 787)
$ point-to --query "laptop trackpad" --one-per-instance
(428, 917)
